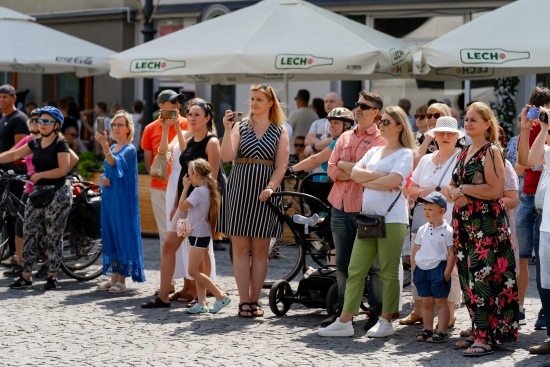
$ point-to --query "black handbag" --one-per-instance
(371, 225)
(41, 198)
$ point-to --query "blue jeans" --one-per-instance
(527, 231)
(344, 231)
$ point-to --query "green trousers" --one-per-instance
(389, 255)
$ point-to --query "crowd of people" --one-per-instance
(448, 195)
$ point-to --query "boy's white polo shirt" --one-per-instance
(433, 244)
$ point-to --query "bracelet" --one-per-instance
(107, 153)
(269, 187)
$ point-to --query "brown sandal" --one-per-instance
(245, 314)
(186, 297)
(256, 311)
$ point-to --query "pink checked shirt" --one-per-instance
(350, 147)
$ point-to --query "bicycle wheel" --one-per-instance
(286, 256)
(82, 257)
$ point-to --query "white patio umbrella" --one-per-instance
(509, 41)
(33, 48)
(273, 40)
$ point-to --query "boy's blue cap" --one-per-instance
(436, 198)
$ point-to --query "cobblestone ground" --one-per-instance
(78, 326)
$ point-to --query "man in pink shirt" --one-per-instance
(345, 196)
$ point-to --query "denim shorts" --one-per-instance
(431, 283)
(527, 225)
(199, 242)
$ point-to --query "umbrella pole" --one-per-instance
(285, 89)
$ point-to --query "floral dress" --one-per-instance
(485, 258)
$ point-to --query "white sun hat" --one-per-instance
(446, 123)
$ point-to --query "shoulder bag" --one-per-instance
(42, 197)
(373, 226)
(159, 168)
(541, 189)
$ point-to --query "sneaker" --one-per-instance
(382, 329)
(540, 324)
(42, 273)
(544, 348)
(21, 283)
(331, 319)
(218, 305)
(51, 283)
(522, 317)
(197, 308)
(15, 272)
(337, 328)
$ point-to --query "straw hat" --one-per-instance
(446, 123)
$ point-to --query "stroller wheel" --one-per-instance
(280, 297)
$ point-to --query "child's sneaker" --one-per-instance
(51, 283)
(21, 283)
(218, 305)
(197, 308)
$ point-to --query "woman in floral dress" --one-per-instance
(485, 259)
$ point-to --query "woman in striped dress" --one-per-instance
(259, 147)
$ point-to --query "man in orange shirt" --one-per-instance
(150, 141)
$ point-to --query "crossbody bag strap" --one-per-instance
(196, 224)
(395, 201)
(446, 169)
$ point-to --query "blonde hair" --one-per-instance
(276, 113)
(487, 114)
(129, 123)
(441, 107)
(406, 135)
(202, 168)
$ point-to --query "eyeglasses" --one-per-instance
(422, 117)
(45, 122)
(443, 133)
(434, 115)
(35, 120)
(299, 145)
(113, 125)
(384, 122)
(364, 106)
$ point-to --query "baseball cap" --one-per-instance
(169, 95)
(436, 198)
(7, 89)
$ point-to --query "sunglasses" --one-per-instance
(364, 106)
(384, 122)
(45, 122)
(299, 145)
(263, 86)
(422, 117)
(205, 105)
(113, 125)
(35, 120)
(434, 115)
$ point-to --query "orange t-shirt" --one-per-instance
(150, 140)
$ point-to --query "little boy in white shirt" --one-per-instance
(433, 262)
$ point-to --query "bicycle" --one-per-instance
(82, 248)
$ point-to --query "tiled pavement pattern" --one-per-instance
(78, 326)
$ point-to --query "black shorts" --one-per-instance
(199, 242)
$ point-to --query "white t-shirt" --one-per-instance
(321, 128)
(198, 213)
(433, 243)
(545, 222)
(377, 202)
(426, 175)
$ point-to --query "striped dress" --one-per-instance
(243, 214)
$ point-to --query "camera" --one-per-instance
(168, 114)
(543, 117)
(237, 116)
(533, 113)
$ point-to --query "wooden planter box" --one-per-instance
(148, 223)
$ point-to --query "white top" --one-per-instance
(433, 243)
(198, 213)
(377, 202)
(321, 128)
(545, 222)
(426, 175)
(511, 180)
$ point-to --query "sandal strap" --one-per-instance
(244, 304)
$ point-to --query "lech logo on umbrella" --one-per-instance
(296, 61)
(398, 55)
(466, 72)
(491, 55)
(155, 65)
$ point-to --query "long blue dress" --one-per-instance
(120, 221)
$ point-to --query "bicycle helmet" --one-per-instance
(341, 113)
(54, 112)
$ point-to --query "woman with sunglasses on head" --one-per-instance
(52, 161)
(120, 223)
(382, 172)
(259, 147)
(485, 258)
(421, 123)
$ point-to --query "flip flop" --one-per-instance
(117, 288)
(470, 342)
(484, 352)
(104, 286)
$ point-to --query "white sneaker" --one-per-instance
(337, 328)
(382, 329)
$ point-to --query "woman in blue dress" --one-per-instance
(120, 221)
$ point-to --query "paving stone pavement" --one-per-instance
(78, 326)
